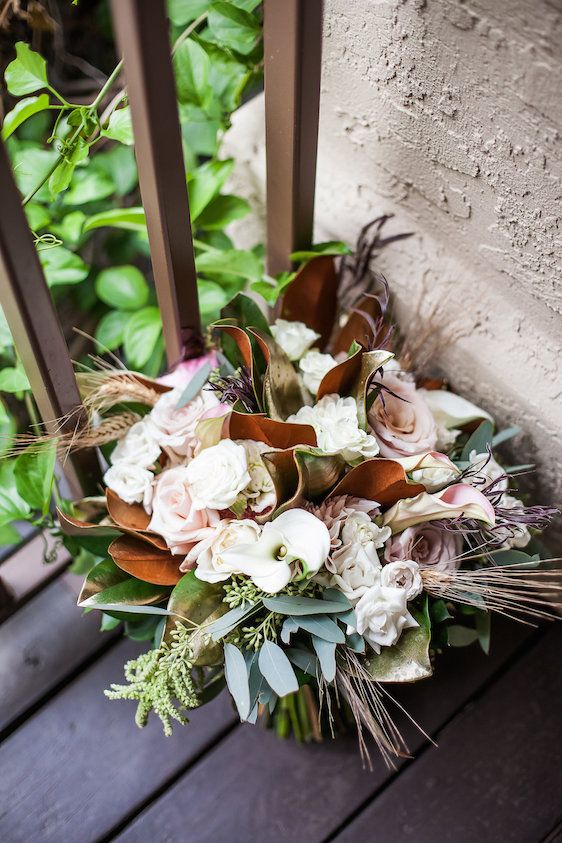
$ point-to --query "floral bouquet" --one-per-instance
(300, 514)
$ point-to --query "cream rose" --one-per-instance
(132, 483)
(314, 366)
(432, 470)
(335, 422)
(382, 614)
(260, 491)
(173, 428)
(402, 423)
(352, 571)
(217, 475)
(138, 446)
(358, 529)
(404, 574)
(208, 554)
(293, 337)
(174, 515)
(427, 545)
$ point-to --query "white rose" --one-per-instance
(295, 545)
(293, 337)
(132, 483)
(382, 614)
(314, 366)
(517, 535)
(359, 529)
(260, 491)
(404, 574)
(137, 446)
(174, 428)
(488, 471)
(353, 572)
(335, 422)
(217, 475)
(211, 564)
(174, 515)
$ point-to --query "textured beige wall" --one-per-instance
(449, 114)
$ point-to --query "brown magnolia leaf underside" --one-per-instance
(378, 480)
(75, 527)
(312, 297)
(276, 434)
(144, 562)
(282, 391)
(300, 476)
(342, 378)
(132, 519)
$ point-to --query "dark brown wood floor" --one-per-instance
(74, 767)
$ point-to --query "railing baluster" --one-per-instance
(142, 33)
(293, 53)
(35, 327)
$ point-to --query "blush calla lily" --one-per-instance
(453, 502)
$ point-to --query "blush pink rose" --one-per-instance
(174, 428)
(403, 425)
(427, 545)
(183, 372)
(173, 515)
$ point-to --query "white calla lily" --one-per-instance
(294, 545)
(433, 470)
(450, 410)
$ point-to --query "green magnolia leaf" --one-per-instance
(326, 652)
(223, 210)
(12, 506)
(201, 603)
(109, 587)
(27, 72)
(276, 669)
(408, 660)
(246, 312)
(88, 185)
(233, 27)
(479, 440)
(141, 334)
(236, 675)
(123, 287)
(13, 380)
(191, 67)
(21, 112)
(181, 12)
(331, 247)
(130, 219)
(321, 625)
(287, 604)
(205, 182)
(110, 331)
(62, 266)
(34, 473)
(229, 262)
(120, 127)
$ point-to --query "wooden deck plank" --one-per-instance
(41, 644)
(497, 774)
(253, 784)
(77, 768)
(24, 572)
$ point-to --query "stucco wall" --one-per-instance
(449, 114)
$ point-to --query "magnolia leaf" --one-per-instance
(359, 326)
(282, 391)
(322, 626)
(408, 660)
(277, 670)
(195, 385)
(326, 652)
(22, 111)
(303, 659)
(108, 587)
(370, 362)
(145, 562)
(34, 472)
(246, 312)
(236, 675)
(378, 480)
(343, 378)
(287, 604)
(277, 434)
(200, 603)
(312, 297)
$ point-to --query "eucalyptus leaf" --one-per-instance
(237, 679)
(514, 557)
(355, 642)
(322, 626)
(287, 604)
(326, 652)
(218, 629)
(277, 670)
(304, 659)
(195, 385)
(480, 440)
(504, 435)
(290, 626)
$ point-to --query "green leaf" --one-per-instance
(479, 440)
(195, 385)
(70, 228)
(120, 127)
(12, 506)
(246, 312)
(303, 659)
(230, 262)
(112, 589)
(223, 210)
(326, 652)
(439, 612)
(331, 247)
(30, 167)
(62, 266)
(287, 604)
(89, 185)
(123, 287)
(236, 675)
(130, 219)
(27, 72)
(408, 660)
(322, 626)
(181, 12)
(34, 472)
(205, 183)
(21, 112)
(37, 216)
(141, 333)
(9, 535)
(212, 297)
(111, 330)
(62, 176)
(191, 67)
(120, 165)
(461, 636)
(514, 557)
(504, 435)
(199, 131)
(201, 603)
(225, 624)
(227, 77)
(233, 27)
(13, 380)
(483, 628)
(271, 291)
(276, 669)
